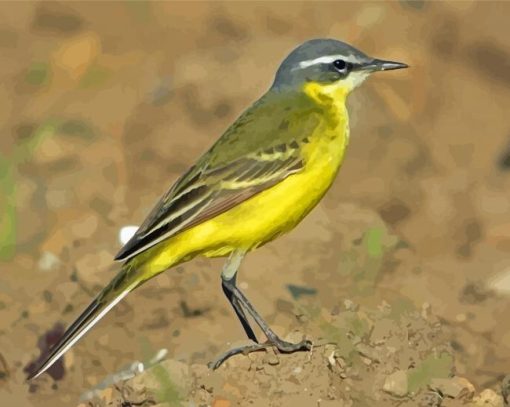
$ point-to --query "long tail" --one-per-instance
(119, 287)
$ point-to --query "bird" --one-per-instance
(265, 173)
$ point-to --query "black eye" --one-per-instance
(340, 64)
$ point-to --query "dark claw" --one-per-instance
(236, 351)
(281, 345)
(287, 347)
(241, 304)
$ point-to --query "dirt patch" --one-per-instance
(389, 356)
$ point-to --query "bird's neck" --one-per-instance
(332, 96)
(331, 100)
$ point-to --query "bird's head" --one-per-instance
(329, 66)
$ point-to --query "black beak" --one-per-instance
(380, 65)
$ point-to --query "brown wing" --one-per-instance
(206, 195)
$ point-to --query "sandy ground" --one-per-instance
(404, 265)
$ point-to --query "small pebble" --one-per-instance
(331, 358)
(425, 310)
(505, 389)
(455, 387)
(48, 261)
(396, 383)
(488, 398)
(366, 361)
(341, 362)
(367, 352)
(221, 403)
(126, 233)
(461, 317)
(207, 388)
(350, 306)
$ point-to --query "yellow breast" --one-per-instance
(278, 209)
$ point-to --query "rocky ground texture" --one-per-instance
(388, 356)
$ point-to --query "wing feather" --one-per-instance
(213, 186)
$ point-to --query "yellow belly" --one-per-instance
(262, 218)
(276, 210)
(272, 212)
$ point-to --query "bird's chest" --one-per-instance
(323, 158)
(328, 141)
(290, 201)
(279, 209)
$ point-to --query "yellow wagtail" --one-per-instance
(258, 181)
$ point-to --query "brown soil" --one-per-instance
(382, 357)
(404, 265)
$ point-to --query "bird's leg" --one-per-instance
(273, 339)
(239, 311)
(239, 301)
(229, 275)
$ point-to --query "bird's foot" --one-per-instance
(281, 345)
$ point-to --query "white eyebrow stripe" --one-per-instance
(327, 59)
(321, 60)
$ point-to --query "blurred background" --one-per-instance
(103, 106)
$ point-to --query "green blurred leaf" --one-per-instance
(77, 128)
(7, 209)
(95, 76)
(8, 217)
(433, 367)
(359, 327)
(38, 74)
(374, 242)
(27, 148)
(338, 335)
(168, 391)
